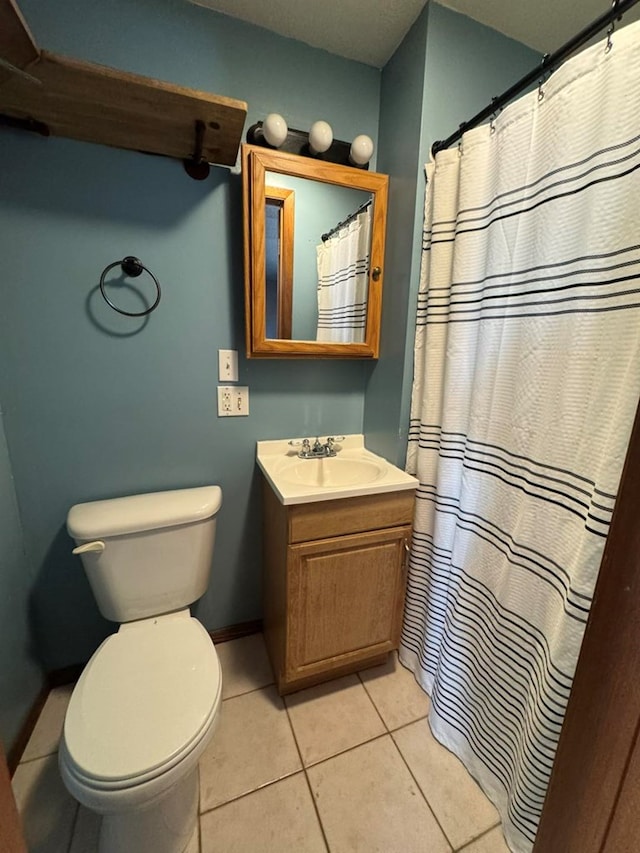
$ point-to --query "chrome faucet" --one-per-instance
(319, 450)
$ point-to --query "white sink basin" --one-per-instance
(331, 472)
(354, 471)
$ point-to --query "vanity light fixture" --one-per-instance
(320, 137)
(318, 142)
(275, 130)
(361, 150)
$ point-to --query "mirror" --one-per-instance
(314, 248)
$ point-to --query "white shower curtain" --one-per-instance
(343, 276)
(527, 377)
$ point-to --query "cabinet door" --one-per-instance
(346, 596)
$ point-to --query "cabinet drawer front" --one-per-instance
(350, 515)
(345, 599)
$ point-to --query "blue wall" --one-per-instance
(20, 674)
(99, 405)
(451, 66)
(401, 115)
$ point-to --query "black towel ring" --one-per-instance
(133, 268)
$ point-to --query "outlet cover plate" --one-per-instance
(233, 401)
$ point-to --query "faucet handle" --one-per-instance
(304, 444)
(329, 446)
(331, 439)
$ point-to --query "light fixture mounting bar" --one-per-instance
(297, 142)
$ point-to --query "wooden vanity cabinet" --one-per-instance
(334, 585)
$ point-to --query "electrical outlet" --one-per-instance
(224, 400)
(227, 365)
(233, 401)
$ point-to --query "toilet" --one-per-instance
(147, 703)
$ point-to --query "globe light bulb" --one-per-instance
(274, 129)
(361, 150)
(320, 137)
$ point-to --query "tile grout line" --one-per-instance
(410, 723)
(54, 751)
(304, 770)
(306, 776)
(388, 732)
(199, 823)
(247, 692)
(467, 843)
(202, 812)
(314, 764)
(37, 757)
(248, 793)
(382, 720)
(424, 796)
(348, 749)
(73, 827)
(477, 838)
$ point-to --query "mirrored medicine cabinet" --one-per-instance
(314, 235)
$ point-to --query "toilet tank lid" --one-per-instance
(137, 513)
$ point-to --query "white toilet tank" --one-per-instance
(157, 550)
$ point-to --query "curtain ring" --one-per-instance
(541, 82)
(461, 128)
(612, 26)
(494, 116)
(610, 32)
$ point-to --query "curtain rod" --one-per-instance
(350, 218)
(549, 64)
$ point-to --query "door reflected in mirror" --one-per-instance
(279, 221)
(314, 244)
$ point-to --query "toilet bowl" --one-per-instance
(147, 703)
(139, 719)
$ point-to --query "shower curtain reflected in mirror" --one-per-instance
(527, 378)
(343, 279)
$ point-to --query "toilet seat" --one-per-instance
(98, 786)
(146, 699)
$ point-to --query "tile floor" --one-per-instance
(347, 767)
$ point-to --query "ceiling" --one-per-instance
(369, 31)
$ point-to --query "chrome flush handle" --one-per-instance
(97, 546)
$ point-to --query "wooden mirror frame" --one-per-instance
(256, 161)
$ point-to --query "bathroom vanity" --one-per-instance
(335, 553)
